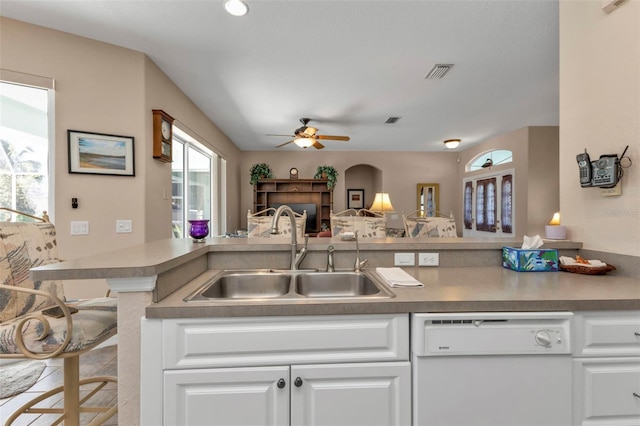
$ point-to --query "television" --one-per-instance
(310, 225)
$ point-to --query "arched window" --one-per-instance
(487, 159)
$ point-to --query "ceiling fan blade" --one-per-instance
(334, 138)
(283, 144)
(317, 145)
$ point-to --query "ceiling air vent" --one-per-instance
(438, 71)
(392, 120)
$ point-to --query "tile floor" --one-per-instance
(98, 362)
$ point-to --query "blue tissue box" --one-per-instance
(530, 260)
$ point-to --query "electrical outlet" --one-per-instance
(612, 192)
(428, 259)
(123, 226)
(404, 259)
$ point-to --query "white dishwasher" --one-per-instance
(493, 369)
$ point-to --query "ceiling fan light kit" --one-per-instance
(303, 142)
(236, 7)
(452, 143)
(307, 136)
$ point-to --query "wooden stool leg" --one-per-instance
(72, 391)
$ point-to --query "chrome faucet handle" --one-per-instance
(362, 264)
(300, 255)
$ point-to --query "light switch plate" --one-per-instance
(404, 259)
(79, 227)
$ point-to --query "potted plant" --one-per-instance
(260, 171)
(329, 173)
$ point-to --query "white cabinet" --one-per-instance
(227, 396)
(368, 394)
(332, 394)
(606, 368)
(314, 370)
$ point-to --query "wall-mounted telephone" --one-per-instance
(584, 166)
(603, 172)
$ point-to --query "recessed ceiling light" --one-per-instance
(236, 7)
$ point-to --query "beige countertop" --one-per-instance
(473, 289)
(461, 283)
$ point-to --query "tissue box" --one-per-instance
(537, 260)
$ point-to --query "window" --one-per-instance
(490, 158)
(194, 186)
(24, 148)
(507, 204)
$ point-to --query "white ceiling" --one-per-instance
(348, 65)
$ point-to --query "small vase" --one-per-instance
(323, 175)
(199, 229)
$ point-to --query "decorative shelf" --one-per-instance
(267, 192)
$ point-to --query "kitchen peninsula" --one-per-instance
(153, 279)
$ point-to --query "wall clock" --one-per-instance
(162, 135)
(293, 173)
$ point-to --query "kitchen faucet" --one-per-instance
(358, 264)
(296, 257)
(330, 267)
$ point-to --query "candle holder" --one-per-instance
(198, 229)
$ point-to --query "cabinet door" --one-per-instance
(606, 391)
(367, 394)
(227, 396)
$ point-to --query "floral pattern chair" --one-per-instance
(418, 224)
(259, 224)
(367, 223)
(26, 332)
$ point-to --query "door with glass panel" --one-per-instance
(192, 182)
(488, 205)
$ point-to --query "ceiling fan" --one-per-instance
(307, 136)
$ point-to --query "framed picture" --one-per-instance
(100, 154)
(355, 198)
(429, 198)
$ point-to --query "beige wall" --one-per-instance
(108, 89)
(400, 172)
(600, 111)
(161, 93)
(535, 162)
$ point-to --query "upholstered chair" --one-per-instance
(25, 332)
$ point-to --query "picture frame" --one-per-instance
(100, 153)
(428, 198)
(355, 198)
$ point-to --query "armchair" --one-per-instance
(26, 333)
(368, 224)
(438, 225)
(259, 224)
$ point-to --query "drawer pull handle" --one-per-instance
(298, 382)
(636, 395)
(281, 384)
(637, 334)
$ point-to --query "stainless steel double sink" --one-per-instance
(292, 285)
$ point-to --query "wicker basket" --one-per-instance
(587, 270)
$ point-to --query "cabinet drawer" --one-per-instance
(607, 333)
(605, 391)
(227, 342)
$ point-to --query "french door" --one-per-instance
(488, 205)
